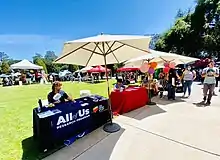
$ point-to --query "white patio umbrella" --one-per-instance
(103, 50)
(25, 64)
(160, 57)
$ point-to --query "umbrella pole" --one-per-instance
(149, 94)
(110, 127)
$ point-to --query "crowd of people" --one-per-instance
(22, 77)
(177, 80)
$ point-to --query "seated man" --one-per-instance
(57, 95)
(119, 85)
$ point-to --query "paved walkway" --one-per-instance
(175, 130)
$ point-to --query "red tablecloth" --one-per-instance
(130, 99)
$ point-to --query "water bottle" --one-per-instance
(40, 105)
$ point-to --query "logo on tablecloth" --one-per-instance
(95, 109)
(71, 118)
(101, 108)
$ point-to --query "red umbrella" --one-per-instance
(127, 69)
(98, 69)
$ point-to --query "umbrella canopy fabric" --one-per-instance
(25, 64)
(99, 69)
(160, 57)
(128, 69)
(115, 48)
(86, 69)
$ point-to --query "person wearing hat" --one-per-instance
(209, 73)
(57, 95)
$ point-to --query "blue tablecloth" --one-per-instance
(70, 119)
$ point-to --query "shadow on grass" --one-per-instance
(95, 82)
(32, 152)
(144, 112)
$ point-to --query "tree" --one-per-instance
(47, 62)
(3, 56)
(50, 56)
(73, 68)
(194, 33)
(153, 41)
(5, 68)
(40, 62)
(36, 57)
(12, 61)
(180, 14)
(118, 65)
(64, 67)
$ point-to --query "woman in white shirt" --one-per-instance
(188, 78)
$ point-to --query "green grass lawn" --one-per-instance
(16, 106)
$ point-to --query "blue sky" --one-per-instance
(35, 26)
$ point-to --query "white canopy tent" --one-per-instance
(25, 64)
(85, 69)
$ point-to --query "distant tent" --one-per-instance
(25, 64)
(86, 69)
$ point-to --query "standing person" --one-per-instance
(79, 77)
(188, 77)
(172, 78)
(209, 73)
(162, 83)
(51, 78)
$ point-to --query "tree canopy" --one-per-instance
(196, 33)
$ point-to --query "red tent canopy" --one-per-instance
(128, 69)
(98, 69)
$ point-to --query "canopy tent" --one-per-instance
(16, 74)
(128, 69)
(4, 76)
(83, 70)
(64, 73)
(218, 62)
(99, 69)
(25, 64)
(160, 57)
(54, 74)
